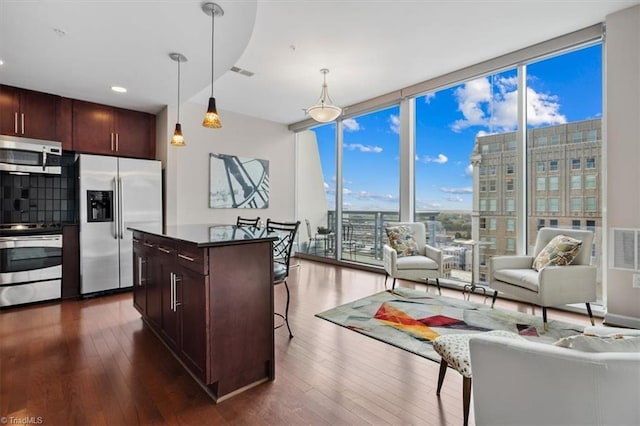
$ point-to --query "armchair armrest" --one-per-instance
(578, 284)
(389, 259)
(510, 262)
(435, 254)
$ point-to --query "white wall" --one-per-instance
(187, 168)
(622, 151)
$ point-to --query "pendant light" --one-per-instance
(324, 110)
(211, 118)
(178, 139)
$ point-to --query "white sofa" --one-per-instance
(526, 383)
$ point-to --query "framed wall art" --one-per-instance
(238, 182)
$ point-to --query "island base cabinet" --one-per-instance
(193, 320)
(241, 317)
(218, 324)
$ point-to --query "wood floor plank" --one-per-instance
(94, 362)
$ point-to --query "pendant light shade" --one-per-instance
(211, 118)
(178, 139)
(324, 110)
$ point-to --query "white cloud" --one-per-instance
(363, 148)
(496, 110)
(463, 190)
(455, 199)
(428, 97)
(395, 123)
(440, 159)
(351, 125)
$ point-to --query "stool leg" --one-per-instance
(466, 398)
(443, 371)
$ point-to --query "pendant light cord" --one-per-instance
(213, 14)
(179, 89)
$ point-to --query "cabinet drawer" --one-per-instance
(193, 258)
(164, 247)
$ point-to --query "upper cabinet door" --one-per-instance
(101, 129)
(93, 130)
(134, 135)
(9, 110)
(28, 113)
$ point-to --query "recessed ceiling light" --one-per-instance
(119, 89)
(1, 62)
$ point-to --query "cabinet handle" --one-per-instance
(176, 280)
(135, 240)
(164, 250)
(111, 141)
(117, 141)
(141, 262)
(190, 259)
(22, 122)
(147, 244)
(173, 292)
(15, 122)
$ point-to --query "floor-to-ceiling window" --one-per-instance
(564, 144)
(371, 182)
(317, 196)
(463, 216)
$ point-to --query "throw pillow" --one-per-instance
(402, 241)
(590, 343)
(561, 251)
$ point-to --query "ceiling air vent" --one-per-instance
(242, 72)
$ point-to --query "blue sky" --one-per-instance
(561, 89)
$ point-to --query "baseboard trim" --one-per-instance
(621, 320)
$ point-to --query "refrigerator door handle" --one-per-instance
(116, 218)
(120, 219)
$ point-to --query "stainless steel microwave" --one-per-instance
(23, 155)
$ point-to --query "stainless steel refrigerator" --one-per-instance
(115, 193)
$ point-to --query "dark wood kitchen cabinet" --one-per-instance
(29, 114)
(102, 129)
(216, 306)
(70, 261)
(140, 275)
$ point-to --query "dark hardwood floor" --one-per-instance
(93, 362)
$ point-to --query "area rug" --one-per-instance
(411, 319)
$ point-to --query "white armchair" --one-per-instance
(529, 383)
(426, 265)
(552, 285)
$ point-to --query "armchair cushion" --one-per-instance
(402, 241)
(416, 262)
(525, 278)
(561, 250)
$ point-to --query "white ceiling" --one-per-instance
(371, 47)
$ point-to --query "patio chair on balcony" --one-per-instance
(348, 243)
(315, 238)
(406, 254)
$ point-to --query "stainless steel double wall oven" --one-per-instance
(30, 230)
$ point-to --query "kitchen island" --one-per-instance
(207, 292)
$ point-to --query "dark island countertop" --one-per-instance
(211, 235)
